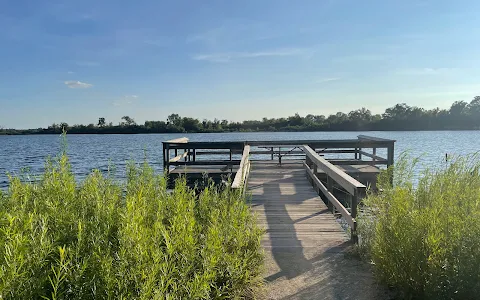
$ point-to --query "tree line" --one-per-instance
(460, 116)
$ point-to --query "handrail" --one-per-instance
(355, 189)
(179, 157)
(343, 179)
(177, 141)
(243, 169)
(372, 138)
(347, 215)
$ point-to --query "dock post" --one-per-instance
(354, 236)
(390, 155)
(330, 189)
(272, 153)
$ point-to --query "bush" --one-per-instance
(424, 240)
(99, 239)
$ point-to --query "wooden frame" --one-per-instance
(354, 188)
(242, 173)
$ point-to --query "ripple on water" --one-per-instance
(87, 152)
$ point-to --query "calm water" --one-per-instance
(89, 152)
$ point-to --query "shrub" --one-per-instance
(424, 239)
(100, 239)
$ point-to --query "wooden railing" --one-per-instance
(241, 177)
(354, 189)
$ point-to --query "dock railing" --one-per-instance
(241, 177)
(354, 189)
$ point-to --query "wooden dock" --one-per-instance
(300, 200)
(306, 249)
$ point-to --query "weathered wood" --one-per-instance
(390, 155)
(177, 141)
(372, 138)
(346, 215)
(242, 171)
(340, 177)
(374, 156)
(209, 145)
(353, 162)
(206, 163)
(179, 157)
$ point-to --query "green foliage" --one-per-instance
(460, 116)
(425, 239)
(99, 239)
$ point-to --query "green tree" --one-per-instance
(101, 122)
(128, 121)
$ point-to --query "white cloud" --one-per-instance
(229, 56)
(324, 80)
(78, 84)
(360, 58)
(125, 100)
(424, 71)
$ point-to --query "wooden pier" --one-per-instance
(301, 194)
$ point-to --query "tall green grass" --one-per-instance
(424, 239)
(100, 239)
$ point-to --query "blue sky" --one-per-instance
(76, 61)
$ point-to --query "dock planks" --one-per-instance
(306, 248)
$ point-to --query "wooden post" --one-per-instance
(166, 162)
(280, 155)
(230, 154)
(330, 189)
(390, 155)
(176, 152)
(359, 154)
(355, 199)
(356, 153)
(194, 153)
(374, 153)
(272, 153)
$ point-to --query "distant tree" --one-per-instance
(101, 122)
(458, 108)
(63, 126)
(128, 121)
(295, 120)
(190, 124)
(174, 119)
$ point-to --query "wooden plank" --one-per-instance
(179, 157)
(331, 197)
(372, 138)
(177, 141)
(348, 183)
(210, 145)
(375, 157)
(242, 171)
(206, 163)
(357, 162)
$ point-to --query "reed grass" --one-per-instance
(424, 239)
(100, 239)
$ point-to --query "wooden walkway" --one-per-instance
(307, 251)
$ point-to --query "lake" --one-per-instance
(87, 152)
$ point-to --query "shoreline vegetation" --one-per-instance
(424, 240)
(100, 239)
(460, 116)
